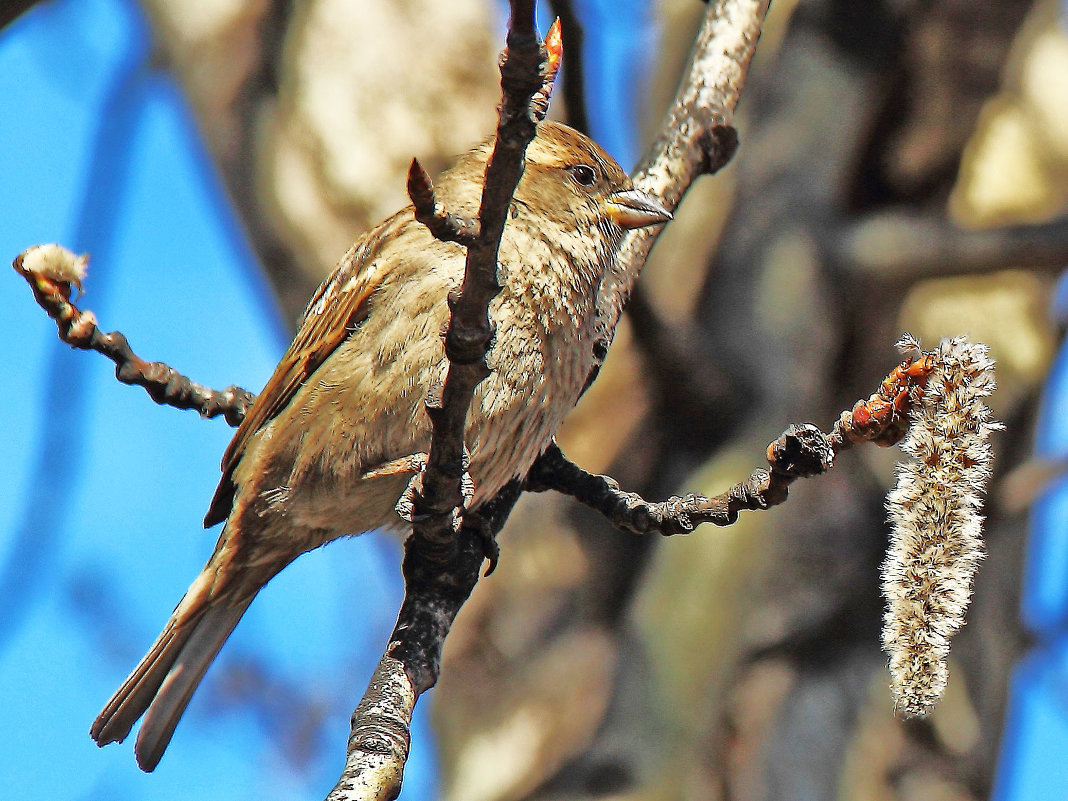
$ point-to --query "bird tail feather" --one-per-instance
(162, 684)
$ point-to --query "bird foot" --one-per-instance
(480, 527)
(487, 540)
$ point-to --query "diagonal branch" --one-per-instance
(696, 138)
(470, 330)
(52, 273)
(434, 592)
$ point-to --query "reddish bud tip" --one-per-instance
(861, 416)
(554, 48)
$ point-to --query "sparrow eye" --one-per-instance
(584, 174)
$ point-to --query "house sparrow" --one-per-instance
(327, 448)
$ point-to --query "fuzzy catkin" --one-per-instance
(56, 263)
(936, 543)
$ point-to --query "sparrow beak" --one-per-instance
(635, 209)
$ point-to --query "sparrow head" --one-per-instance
(570, 183)
(568, 175)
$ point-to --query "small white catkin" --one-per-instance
(936, 543)
(57, 263)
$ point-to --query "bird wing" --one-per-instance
(338, 306)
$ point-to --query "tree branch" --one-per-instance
(52, 273)
(801, 451)
(896, 246)
(445, 551)
(470, 330)
(434, 592)
(696, 137)
(443, 225)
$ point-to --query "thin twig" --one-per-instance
(802, 451)
(447, 546)
(166, 386)
(443, 225)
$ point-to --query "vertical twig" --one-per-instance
(445, 552)
(470, 331)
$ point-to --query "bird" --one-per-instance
(331, 443)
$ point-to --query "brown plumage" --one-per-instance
(322, 451)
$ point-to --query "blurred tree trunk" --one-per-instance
(313, 110)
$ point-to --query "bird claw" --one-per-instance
(486, 539)
(480, 527)
(405, 507)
